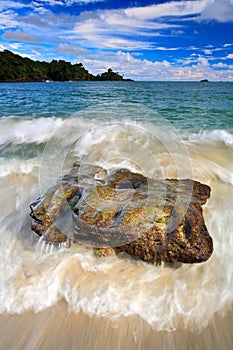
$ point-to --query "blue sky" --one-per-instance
(144, 40)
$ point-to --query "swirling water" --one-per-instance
(160, 129)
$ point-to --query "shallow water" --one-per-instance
(36, 152)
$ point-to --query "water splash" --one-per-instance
(35, 276)
(45, 247)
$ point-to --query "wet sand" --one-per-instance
(56, 328)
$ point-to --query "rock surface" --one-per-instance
(122, 211)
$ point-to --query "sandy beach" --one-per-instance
(56, 328)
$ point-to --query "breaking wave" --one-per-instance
(34, 278)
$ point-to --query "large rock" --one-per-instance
(151, 220)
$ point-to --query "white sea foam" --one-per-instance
(18, 166)
(211, 136)
(40, 130)
(28, 130)
(167, 298)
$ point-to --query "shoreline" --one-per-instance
(66, 81)
(56, 328)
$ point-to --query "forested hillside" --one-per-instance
(16, 68)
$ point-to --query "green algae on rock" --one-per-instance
(122, 211)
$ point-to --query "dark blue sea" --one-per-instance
(160, 129)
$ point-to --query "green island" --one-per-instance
(14, 68)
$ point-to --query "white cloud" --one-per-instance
(143, 69)
(208, 51)
(218, 10)
(38, 8)
(71, 2)
(124, 29)
(162, 48)
(134, 30)
(177, 32)
(116, 43)
(7, 20)
(130, 28)
(220, 65)
(14, 46)
(126, 64)
(174, 8)
(2, 47)
(119, 18)
(202, 61)
(18, 35)
(71, 49)
(115, 29)
(111, 29)
(98, 33)
(5, 5)
(68, 2)
(52, 2)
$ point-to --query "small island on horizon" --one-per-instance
(14, 68)
(204, 81)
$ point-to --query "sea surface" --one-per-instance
(160, 129)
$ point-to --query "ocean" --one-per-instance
(160, 129)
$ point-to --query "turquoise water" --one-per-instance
(195, 106)
(163, 130)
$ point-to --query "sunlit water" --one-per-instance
(160, 130)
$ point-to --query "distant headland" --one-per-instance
(14, 68)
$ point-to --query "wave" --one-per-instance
(211, 136)
(16, 130)
(18, 167)
(166, 298)
(113, 287)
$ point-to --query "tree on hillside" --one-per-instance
(110, 75)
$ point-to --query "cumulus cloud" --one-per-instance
(18, 35)
(202, 61)
(143, 69)
(126, 64)
(220, 65)
(121, 36)
(218, 10)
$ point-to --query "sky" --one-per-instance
(179, 40)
